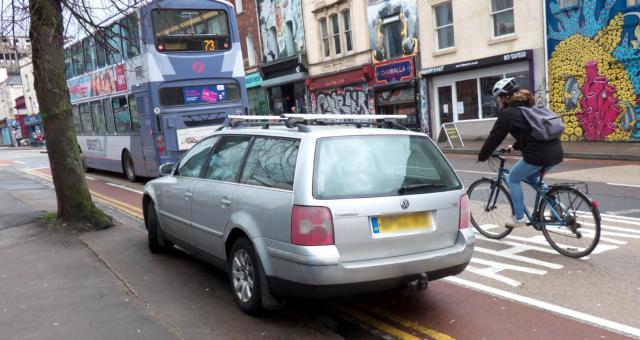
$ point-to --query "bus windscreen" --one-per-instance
(191, 30)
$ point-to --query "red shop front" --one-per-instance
(344, 92)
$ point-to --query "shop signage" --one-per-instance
(393, 71)
(253, 80)
(450, 131)
(32, 120)
(100, 83)
(356, 76)
(479, 63)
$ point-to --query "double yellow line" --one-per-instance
(417, 331)
(352, 309)
(125, 208)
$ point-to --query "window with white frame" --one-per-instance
(251, 53)
(569, 3)
(631, 3)
(324, 35)
(392, 32)
(346, 20)
(238, 6)
(335, 29)
(502, 13)
(444, 25)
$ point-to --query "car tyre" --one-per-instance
(128, 167)
(245, 277)
(157, 243)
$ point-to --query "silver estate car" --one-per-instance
(313, 211)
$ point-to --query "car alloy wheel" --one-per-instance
(242, 274)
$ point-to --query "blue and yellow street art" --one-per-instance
(594, 69)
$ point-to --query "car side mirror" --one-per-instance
(166, 169)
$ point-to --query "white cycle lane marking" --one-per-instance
(613, 236)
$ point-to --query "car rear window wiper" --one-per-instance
(411, 187)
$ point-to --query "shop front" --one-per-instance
(345, 92)
(395, 90)
(34, 125)
(257, 95)
(463, 91)
(285, 83)
(5, 132)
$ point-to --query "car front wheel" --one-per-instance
(157, 244)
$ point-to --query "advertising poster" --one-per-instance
(79, 88)
(188, 137)
(204, 94)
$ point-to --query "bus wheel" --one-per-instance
(127, 166)
(85, 167)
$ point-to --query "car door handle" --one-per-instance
(187, 195)
(225, 202)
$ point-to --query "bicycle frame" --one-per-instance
(540, 195)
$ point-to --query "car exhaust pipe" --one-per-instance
(419, 283)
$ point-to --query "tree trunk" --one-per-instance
(47, 42)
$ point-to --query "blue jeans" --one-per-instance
(522, 171)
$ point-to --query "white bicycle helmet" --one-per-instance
(506, 86)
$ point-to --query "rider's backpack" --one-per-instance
(545, 125)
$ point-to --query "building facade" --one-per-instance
(393, 39)
(466, 49)
(12, 49)
(284, 63)
(247, 17)
(594, 67)
(340, 72)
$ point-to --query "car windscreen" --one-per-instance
(376, 165)
(191, 30)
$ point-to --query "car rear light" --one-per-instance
(160, 143)
(465, 212)
(311, 226)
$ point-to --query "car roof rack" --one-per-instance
(388, 121)
(302, 121)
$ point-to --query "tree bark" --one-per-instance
(47, 41)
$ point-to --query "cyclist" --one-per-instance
(536, 155)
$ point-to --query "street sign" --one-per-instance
(452, 134)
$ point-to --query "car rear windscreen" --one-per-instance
(375, 166)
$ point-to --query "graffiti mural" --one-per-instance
(392, 28)
(342, 101)
(281, 28)
(594, 69)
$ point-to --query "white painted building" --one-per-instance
(26, 73)
(466, 48)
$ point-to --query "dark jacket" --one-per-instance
(535, 152)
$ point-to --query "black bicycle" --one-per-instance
(568, 218)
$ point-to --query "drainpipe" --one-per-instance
(546, 53)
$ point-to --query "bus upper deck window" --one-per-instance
(191, 30)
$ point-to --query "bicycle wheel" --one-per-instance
(488, 212)
(577, 232)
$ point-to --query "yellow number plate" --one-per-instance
(401, 223)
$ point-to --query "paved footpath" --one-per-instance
(106, 285)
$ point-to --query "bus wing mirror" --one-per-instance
(166, 169)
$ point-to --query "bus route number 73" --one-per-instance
(209, 45)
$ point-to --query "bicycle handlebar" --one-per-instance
(499, 153)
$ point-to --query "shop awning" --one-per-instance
(21, 103)
(357, 75)
(283, 80)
